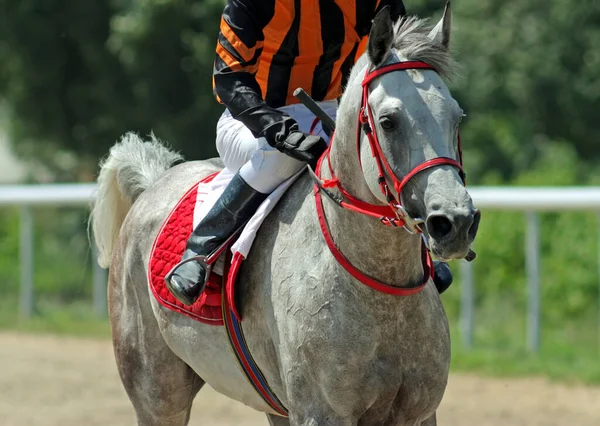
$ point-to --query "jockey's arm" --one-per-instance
(239, 48)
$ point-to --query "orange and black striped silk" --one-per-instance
(268, 48)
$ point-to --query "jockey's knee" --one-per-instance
(268, 168)
(235, 142)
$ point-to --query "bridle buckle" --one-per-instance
(411, 225)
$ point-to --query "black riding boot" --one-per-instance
(236, 205)
(442, 277)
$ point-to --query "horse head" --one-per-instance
(399, 110)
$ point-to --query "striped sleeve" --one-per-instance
(238, 51)
(235, 53)
(362, 47)
(239, 48)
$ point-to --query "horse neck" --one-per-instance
(388, 254)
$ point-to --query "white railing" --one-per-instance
(527, 199)
(27, 197)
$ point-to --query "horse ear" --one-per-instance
(380, 36)
(441, 32)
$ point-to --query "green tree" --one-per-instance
(530, 77)
(77, 75)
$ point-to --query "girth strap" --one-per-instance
(233, 327)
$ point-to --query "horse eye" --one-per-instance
(387, 124)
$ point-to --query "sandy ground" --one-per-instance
(57, 381)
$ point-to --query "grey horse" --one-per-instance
(333, 350)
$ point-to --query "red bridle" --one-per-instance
(393, 213)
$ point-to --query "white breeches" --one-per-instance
(263, 167)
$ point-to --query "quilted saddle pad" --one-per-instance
(167, 250)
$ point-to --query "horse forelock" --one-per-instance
(412, 41)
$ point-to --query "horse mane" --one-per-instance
(412, 43)
(411, 40)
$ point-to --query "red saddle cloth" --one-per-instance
(167, 250)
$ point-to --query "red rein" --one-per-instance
(392, 214)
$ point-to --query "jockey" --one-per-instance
(265, 50)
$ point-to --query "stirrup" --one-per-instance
(206, 262)
(201, 259)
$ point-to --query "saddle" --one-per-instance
(171, 239)
(167, 250)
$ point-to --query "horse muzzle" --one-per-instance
(451, 232)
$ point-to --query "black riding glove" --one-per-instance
(303, 147)
(287, 138)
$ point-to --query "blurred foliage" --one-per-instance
(569, 253)
(77, 75)
(529, 81)
(62, 256)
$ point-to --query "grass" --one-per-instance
(569, 354)
(556, 362)
(76, 319)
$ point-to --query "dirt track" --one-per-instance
(55, 381)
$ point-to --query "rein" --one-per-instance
(352, 270)
(392, 214)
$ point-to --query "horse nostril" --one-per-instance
(438, 226)
(475, 225)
